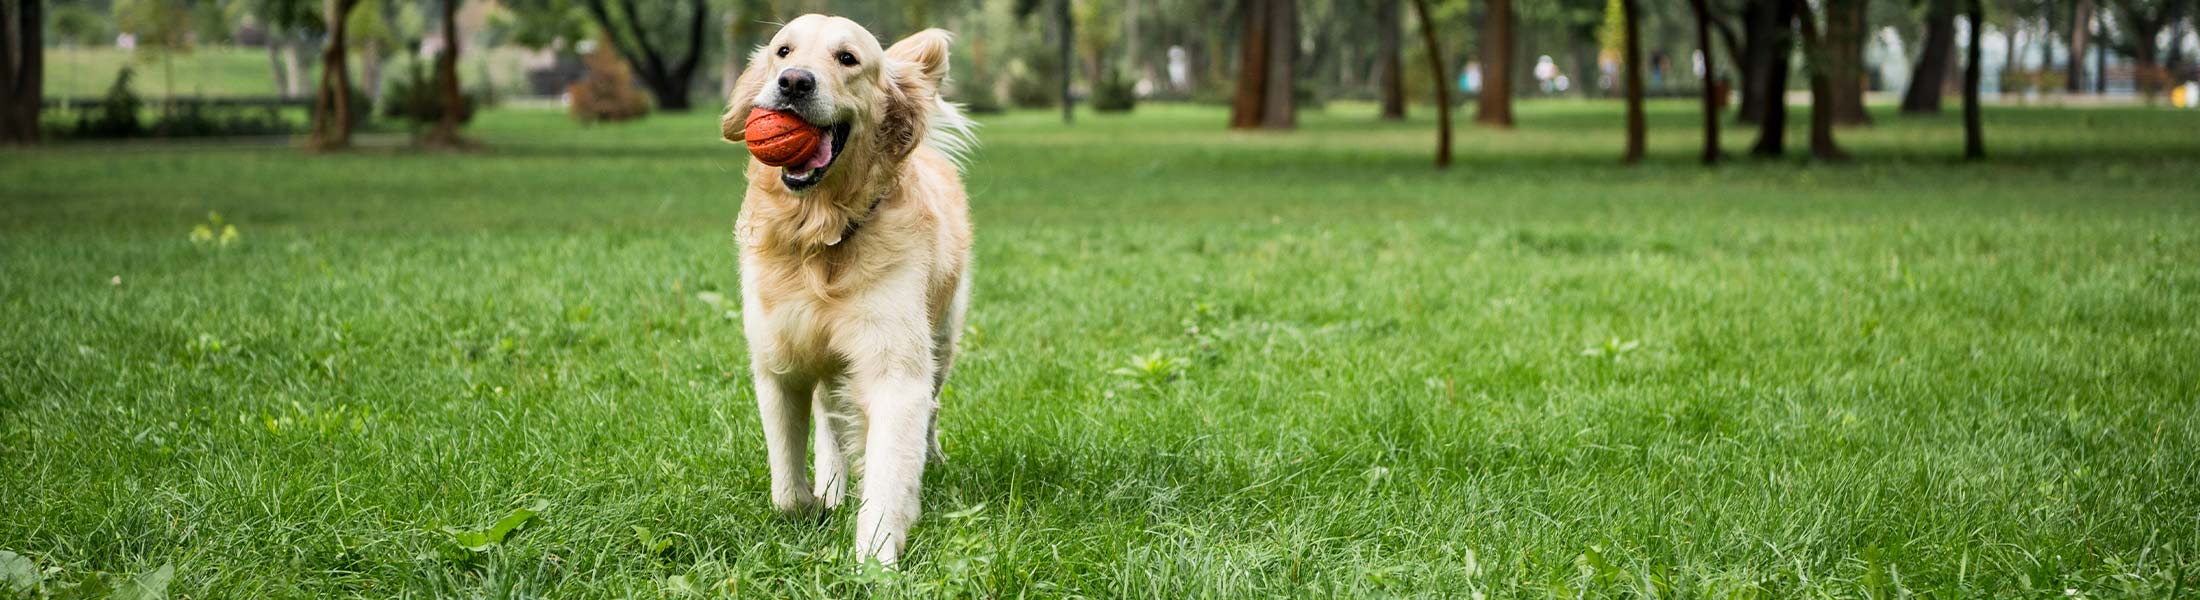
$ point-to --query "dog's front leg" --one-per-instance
(784, 403)
(900, 410)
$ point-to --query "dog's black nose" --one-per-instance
(796, 83)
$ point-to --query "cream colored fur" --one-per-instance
(853, 290)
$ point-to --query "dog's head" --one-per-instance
(829, 71)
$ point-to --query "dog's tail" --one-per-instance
(951, 132)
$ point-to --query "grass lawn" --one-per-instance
(1200, 363)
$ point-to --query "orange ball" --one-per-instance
(780, 139)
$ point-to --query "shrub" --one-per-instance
(117, 115)
(977, 94)
(195, 119)
(415, 97)
(1113, 93)
(607, 92)
(1034, 82)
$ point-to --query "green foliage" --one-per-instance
(539, 24)
(161, 26)
(1034, 78)
(467, 545)
(415, 97)
(117, 115)
(79, 25)
(212, 23)
(1907, 373)
(1114, 92)
(978, 92)
(22, 577)
(369, 29)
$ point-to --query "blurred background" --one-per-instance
(106, 69)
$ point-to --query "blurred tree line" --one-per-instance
(1265, 59)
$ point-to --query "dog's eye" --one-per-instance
(847, 59)
(782, 51)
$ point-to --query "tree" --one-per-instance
(1631, 52)
(1843, 53)
(1770, 27)
(332, 108)
(22, 69)
(1065, 48)
(1065, 27)
(1710, 75)
(289, 23)
(1930, 75)
(1493, 105)
(1389, 75)
(1266, 95)
(163, 30)
(1821, 87)
(2143, 21)
(1443, 85)
(638, 30)
(1767, 43)
(445, 132)
(744, 31)
(1974, 143)
(2081, 19)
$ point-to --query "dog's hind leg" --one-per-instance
(831, 458)
(946, 341)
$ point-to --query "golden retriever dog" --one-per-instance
(855, 267)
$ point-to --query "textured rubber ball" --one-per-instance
(780, 139)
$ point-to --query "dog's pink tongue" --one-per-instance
(823, 156)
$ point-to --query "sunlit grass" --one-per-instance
(1200, 363)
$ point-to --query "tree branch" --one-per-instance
(687, 63)
(641, 38)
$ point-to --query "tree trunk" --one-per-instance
(445, 133)
(1974, 142)
(1493, 106)
(1631, 54)
(729, 70)
(1281, 111)
(1066, 51)
(1768, 78)
(1733, 41)
(1845, 35)
(1930, 75)
(275, 64)
(1266, 46)
(1252, 79)
(22, 70)
(1821, 87)
(2081, 29)
(1710, 79)
(332, 109)
(1768, 42)
(295, 58)
(370, 74)
(1389, 69)
(1439, 74)
(668, 81)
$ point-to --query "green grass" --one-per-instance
(1201, 363)
(85, 73)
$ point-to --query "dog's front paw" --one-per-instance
(798, 504)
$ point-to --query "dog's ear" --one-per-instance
(915, 68)
(745, 89)
(921, 58)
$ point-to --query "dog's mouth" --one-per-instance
(806, 174)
